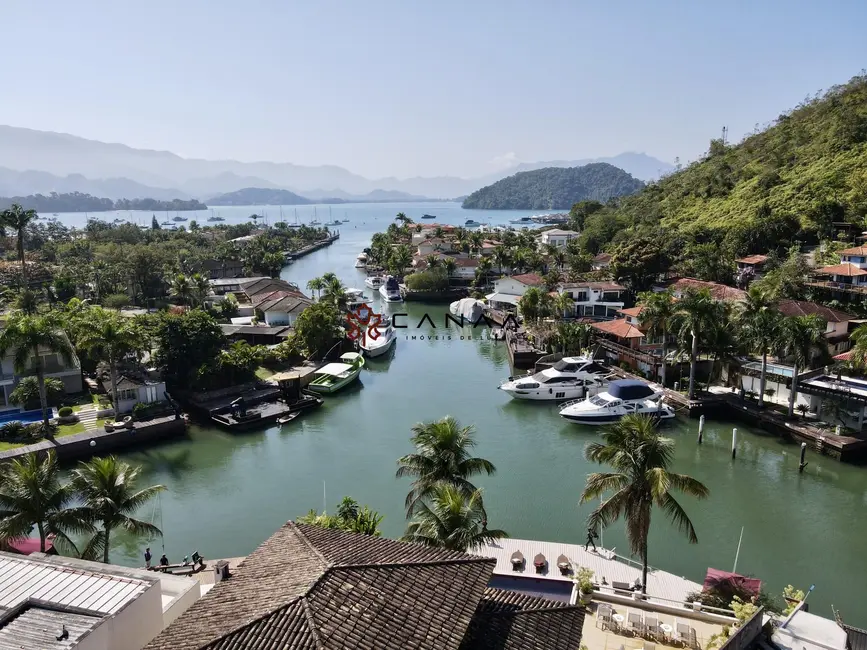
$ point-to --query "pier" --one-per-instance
(522, 353)
(292, 256)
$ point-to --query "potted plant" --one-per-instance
(584, 580)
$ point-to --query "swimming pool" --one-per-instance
(27, 417)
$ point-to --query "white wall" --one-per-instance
(133, 627)
(98, 638)
(781, 392)
(510, 287)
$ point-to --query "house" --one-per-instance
(132, 390)
(750, 268)
(837, 322)
(222, 286)
(256, 334)
(599, 300)
(717, 290)
(282, 308)
(557, 237)
(508, 290)
(257, 288)
(218, 269)
(465, 266)
(54, 367)
(310, 587)
(95, 606)
(601, 262)
(850, 275)
(428, 231)
(434, 245)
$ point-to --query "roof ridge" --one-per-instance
(380, 565)
(311, 623)
(530, 610)
(300, 534)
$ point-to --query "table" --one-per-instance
(666, 628)
(618, 618)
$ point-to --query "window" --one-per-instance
(581, 296)
(129, 393)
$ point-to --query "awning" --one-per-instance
(730, 583)
(503, 297)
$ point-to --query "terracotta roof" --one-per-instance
(509, 620)
(619, 328)
(753, 259)
(602, 257)
(530, 279)
(268, 285)
(846, 268)
(804, 308)
(311, 587)
(845, 356)
(718, 291)
(635, 312)
(857, 250)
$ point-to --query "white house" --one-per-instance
(54, 366)
(434, 245)
(851, 273)
(281, 308)
(132, 390)
(600, 300)
(508, 290)
(557, 237)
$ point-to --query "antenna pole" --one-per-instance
(324, 499)
(738, 552)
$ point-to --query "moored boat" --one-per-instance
(390, 290)
(374, 281)
(335, 376)
(379, 340)
(428, 216)
(523, 221)
(470, 223)
(569, 378)
(622, 397)
(361, 261)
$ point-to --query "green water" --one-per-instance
(235, 490)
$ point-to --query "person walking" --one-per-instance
(591, 539)
(148, 557)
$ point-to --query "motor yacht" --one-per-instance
(390, 290)
(428, 216)
(470, 223)
(361, 261)
(378, 339)
(374, 281)
(570, 378)
(355, 298)
(523, 221)
(622, 397)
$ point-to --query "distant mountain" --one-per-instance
(23, 183)
(639, 165)
(78, 202)
(259, 196)
(554, 188)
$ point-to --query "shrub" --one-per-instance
(115, 301)
(65, 411)
(26, 392)
(12, 431)
(141, 411)
(429, 280)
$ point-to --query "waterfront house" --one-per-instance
(849, 276)
(282, 308)
(717, 290)
(837, 322)
(49, 602)
(52, 363)
(219, 269)
(428, 231)
(222, 286)
(557, 237)
(508, 290)
(132, 390)
(597, 300)
(601, 262)
(310, 587)
(750, 268)
(465, 266)
(434, 245)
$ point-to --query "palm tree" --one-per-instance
(334, 291)
(402, 218)
(181, 288)
(111, 337)
(695, 315)
(201, 288)
(433, 261)
(858, 337)
(31, 494)
(564, 304)
(759, 323)
(107, 487)
(640, 458)
(530, 304)
(450, 266)
(29, 336)
(502, 258)
(801, 337)
(483, 269)
(442, 456)
(454, 520)
(401, 259)
(317, 285)
(657, 316)
(17, 218)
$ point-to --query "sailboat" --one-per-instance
(332, 222)
(315, 221)
(296, 224)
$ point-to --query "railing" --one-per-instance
(840, 286)
(630, 352)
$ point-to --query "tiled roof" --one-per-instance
(599, 286)
(857, 250)
(718, 291)
(846, 268)
(635, 312)
(753, 259)
(268, 285)
(284, 303)
(530, 279)
(619, 328)
(311, 587)
(602, 257)
(804, 308)
(509, 620)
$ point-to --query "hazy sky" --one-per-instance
(410, 88)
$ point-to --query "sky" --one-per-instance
(404, 88)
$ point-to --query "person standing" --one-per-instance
(148, 558)
(591, 539)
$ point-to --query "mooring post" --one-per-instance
(803, 463)
(734, 442)
(700, 428)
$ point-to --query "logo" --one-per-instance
(363, 323)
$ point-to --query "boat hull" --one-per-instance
(609, 418)
(390, 296)
(379, 349)
(547, 394)
(360, 265)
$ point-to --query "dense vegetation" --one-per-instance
(554, 188)
(78, 202)
(259, 196)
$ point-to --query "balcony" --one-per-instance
(839, 286)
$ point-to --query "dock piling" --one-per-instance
(803, 463)
(734, 443)
(700, 428)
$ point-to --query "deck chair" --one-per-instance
(634, 623)
(651, 628)
(682, 632)
(603, 616)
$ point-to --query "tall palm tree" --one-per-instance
(201, 288)
(110, 337)
(695, 315)
(17, 218)
(859, 347)
(29, 336)
(759, 323)
(564, 304)
(483, 269)
(801, 337)
(317, 285)
(31, 494)
(450, 266)
(442, 455)
(181, 288)
(334, 291)
(433, 261)
(530, 304)
(454, 520)
(502, 258)
(107, 487)
(640, 458)
(657, 317)
(401, 259)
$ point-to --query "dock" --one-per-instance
(522, 354)
(291, 256)
(255, 416)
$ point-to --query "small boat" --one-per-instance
(522, 220)
(346, 221)
(336, 222)
(390, 290)
(216, 218)
(54, 214)
(568, 379)
(470, 223)
(623, 397)
(334, 376)
(374, 282)
(378, 340)
(314, 223)
(178, 218)
(355, 299)
(361, 261)
(428, 216)
(286, 419)
(166, 223)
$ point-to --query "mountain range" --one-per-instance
(34, 161)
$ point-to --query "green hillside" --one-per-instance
(259, 196)
(554, 188)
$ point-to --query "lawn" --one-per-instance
(62, 430)
(264, 373)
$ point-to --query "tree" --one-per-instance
(564, 305)
(400, 260)
(453, 520)
(450, 266)
(695, 315)
(759, 323)
(116, 301)
(801, 336)
(318, 328)
(639, 262)
(641, 479)
(155, 224)
(111, 337)
(349, 517)
(657, 317)
(442, 455)
(17, 218)
(787, 281)
(201, 288)
(26, 393)
(31, 494)
(107, 487)
(317, 285)
(181, 289)
(502, 258)
(27, 336)
(184, 343)
(530, 304)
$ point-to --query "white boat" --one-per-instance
(355, 299)
(333, 223)
(470, 223)
(523, 221)
(334, 376)
(378, 342)
(570, 378)
(623, 397)
(361, 261)
(390, 290)
(374, 281)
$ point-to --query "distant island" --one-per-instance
(78, 202)
(259, 196)
(554, 188)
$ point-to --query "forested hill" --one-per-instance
(554, 188)
(78, 202)
(259, 196)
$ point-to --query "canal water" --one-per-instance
(226, 493)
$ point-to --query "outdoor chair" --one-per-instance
(651, 628)
(634, 623)
(603, 616)
(621, 587)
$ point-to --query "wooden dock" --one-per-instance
(292, 256)
(521, 352)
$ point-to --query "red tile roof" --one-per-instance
(530, 279)
(846, 268)
(845, 356)
(857, 250)
(619, 328)
(718, 291)
(753, 259)
(804, 308)
(635, 312)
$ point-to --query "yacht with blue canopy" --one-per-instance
(623, 397)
